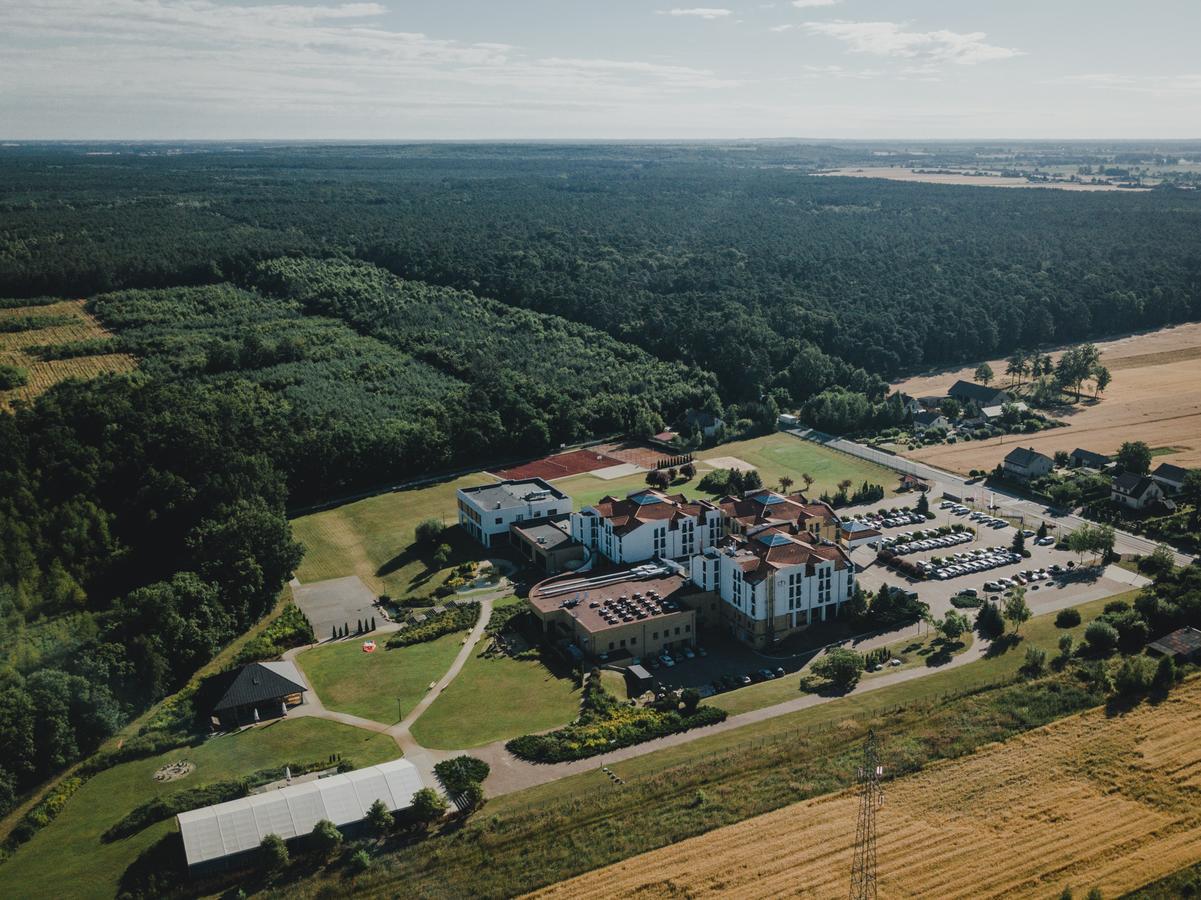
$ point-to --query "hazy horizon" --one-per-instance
(626, 70)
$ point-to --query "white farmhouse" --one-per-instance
(775, 581)
(647, 524)
(487, 511)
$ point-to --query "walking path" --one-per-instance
(511, 774)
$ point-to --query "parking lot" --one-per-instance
(724, 660)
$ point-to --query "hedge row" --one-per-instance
(456, 618)
(624, 728)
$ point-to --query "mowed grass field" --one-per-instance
(773, 456)
(379, 685)
(1088, 801)
(68, 859)
(373, 538)
(44, 374)
(496, 699)
(1155, 397)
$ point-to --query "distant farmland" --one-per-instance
(1155, 397)
(16, 348)
(1090, 801)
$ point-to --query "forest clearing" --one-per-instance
(1155, 397)
(1089, 801)
(17, 348)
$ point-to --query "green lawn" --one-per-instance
(369, 684)
(780, 454)
(495, 699)
(67, 857)
(774, 455)
(373, 538)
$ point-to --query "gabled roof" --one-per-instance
(259, 682)
(927, 418)
(969, 390)
(1182, 642)
(763, 507)
(1169, 472)
(238, 826)
(774, 547)
(648, 505)
(1089, 458)
(1024, 456)
(1132, 483)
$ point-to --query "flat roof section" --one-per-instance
(512, 494)
(616, 597)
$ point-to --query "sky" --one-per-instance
(599, 69)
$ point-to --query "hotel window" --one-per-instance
(633, 642)
(610, 645)
(794, 590)
(654, 635)
(661, 540)
(499, 520)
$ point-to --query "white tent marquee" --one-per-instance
(215, 832)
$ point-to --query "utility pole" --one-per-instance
(863, 870)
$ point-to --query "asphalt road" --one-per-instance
(1008, 504)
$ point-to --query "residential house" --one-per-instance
(1087, 459)
(983, 396)
(1170, 477)
(1026, 463)
(647, 524)
(912, 405)
(930, 421)
(764, 507)
(486, 512)
(774, 582)
(1135, 491)
(704, 422)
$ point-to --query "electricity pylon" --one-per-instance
(863, 870)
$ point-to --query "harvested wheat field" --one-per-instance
(1155, 397)
(1111, 802)
(16, 348)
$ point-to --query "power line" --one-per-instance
(871, 796)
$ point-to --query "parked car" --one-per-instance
(667, 660)
(780, 673)
(1045, 541)
(688, 654)
(701, 651)
(767, 674)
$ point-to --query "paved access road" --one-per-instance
(948, 482)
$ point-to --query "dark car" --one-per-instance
(755, 676)
(767, 674)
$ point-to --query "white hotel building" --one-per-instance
(647, 524)
(775, 581)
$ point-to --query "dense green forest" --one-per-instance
(313, 320)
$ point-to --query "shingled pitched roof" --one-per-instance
(649, 505)
(765, 507)
(774, 547)
(258, 683)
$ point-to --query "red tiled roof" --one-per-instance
(759, 554)
(648, 505)
(764, 507)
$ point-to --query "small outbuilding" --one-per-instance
(1183, 645)
(260, 690)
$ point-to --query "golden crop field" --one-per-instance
(1155, 397)
(1089, 801)
(991, 179)
(43, 374)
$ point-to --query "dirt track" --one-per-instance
(1088, 801)
(1155, 397)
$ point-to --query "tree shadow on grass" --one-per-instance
(941, 652)
(398, 562)
(1002, 645)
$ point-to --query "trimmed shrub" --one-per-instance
(456, 618)
(1067, 618)
(1101, 637)
(457, 773)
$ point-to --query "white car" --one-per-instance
(1045, 541)
(667, 660)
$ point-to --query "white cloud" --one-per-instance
(781, 28)
(700, 12)
(809, 4)
(892, 39)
